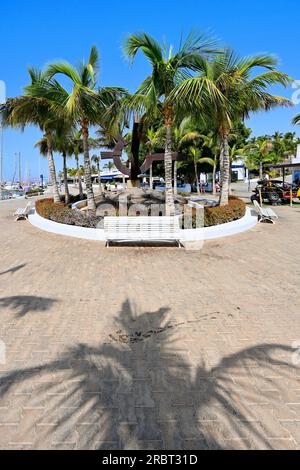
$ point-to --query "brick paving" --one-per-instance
(149, 348)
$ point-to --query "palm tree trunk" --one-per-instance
(170, 209)
(214, 175)
(52, 170)
(225, 170)
(67, 194)
(260, 169)
(99, 174)
(87, 167)
(135, 148)
(151, 177)
(175, 177)
(79, 177)
(197, 179)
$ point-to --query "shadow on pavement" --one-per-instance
(140, 391)
(23, 304)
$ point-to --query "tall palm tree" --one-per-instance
(61, 143)
(228, 89)
(168, 69)
(28, 110)
(84, 103)
(76, 148)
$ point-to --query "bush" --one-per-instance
(34, 192)
(62, 214)
(235, 210)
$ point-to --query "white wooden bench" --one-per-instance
(264, 213)
(142, 229)
(22, 213)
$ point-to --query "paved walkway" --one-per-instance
(151, 348)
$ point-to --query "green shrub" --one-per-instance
(63, 214)
(235, 210)
(34, 192)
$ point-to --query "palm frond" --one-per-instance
(63, 68)
(147, 44)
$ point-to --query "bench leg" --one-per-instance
(265, 219)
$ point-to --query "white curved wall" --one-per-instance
(207, 233)
(63, 229)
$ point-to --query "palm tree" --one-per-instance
(210, 141)
(290, 143)
(110, 166)
(260, 153)
(97, 160)
(183, 134)
(84, 103)
(62, 143)
(153, 95)
(73, 173)
(227, 90)
(28, 110)
(196, 155)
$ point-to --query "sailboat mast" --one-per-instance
(20, 173)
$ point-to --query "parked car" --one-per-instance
(275, 191)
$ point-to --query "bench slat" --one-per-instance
(141, 228)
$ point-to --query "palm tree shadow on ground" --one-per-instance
(24, 304)
(138, 391)
(13, 270)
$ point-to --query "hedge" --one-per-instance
(236, 209)
(62, 214)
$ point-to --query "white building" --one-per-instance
(239, 172)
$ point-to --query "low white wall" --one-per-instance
(224, 230)
(63, 229)
(206, 233)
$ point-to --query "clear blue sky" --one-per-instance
(34, 33)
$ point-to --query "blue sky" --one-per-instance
(35, 33)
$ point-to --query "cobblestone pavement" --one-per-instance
(152, 348)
